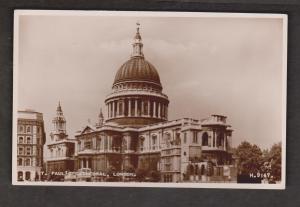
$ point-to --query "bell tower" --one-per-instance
(59, 125)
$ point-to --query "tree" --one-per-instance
(273, 157)
(249, 158)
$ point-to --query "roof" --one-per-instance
(137, 69)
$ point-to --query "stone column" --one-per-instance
(110, 109)
(158, 114)
(123, 108)
(149, 108)
(87, 162)
(118, 108)
(142, 108)
(166, 111)
(225, 137)
(129, 107)
(154, 109)
(81, 165)
(136, 107)
(113, 108)
(107, 110)
(108, 143)
(215, 139)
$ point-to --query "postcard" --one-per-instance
(149, 99)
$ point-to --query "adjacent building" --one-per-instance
(30, 141)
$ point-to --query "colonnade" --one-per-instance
(215, 140)
(137, 107)
(85, 163)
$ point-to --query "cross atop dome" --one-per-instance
(137, 43)
(138, 27)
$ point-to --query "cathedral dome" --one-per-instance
(137, 69)
(137, 98)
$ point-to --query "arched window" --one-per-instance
(202, 170)
(205, 139)
(20, 161)
(142, 141)
(220, 139)
(98, 144)
(21, 128)
(154, 142)
(167, 139)
(27, 162)
(27, 175)
(145, 107)
(28, 151)
(184, 137)
(178, 141)
(195, 137)
(197, 170)
(20, 150)
(28, 140)
(21, 140)
(20, 176)
(28, 129)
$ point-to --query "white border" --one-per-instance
(18, 13)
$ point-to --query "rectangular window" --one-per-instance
(28, 140)
(184, 137)
(21, 128)
(37, 162)
(98, 144)
(28, 151)
(88, 145)
(20, 151)
(195, 137)
(21, 139)
(28, 129)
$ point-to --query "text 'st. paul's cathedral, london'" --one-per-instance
(137, 141)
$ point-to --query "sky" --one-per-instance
(207, 65)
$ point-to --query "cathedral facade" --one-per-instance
(137, 137)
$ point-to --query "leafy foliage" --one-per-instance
(274, 158)
(249, 158)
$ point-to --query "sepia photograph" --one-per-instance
(149, 99)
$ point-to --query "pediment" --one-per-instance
(87, 129)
